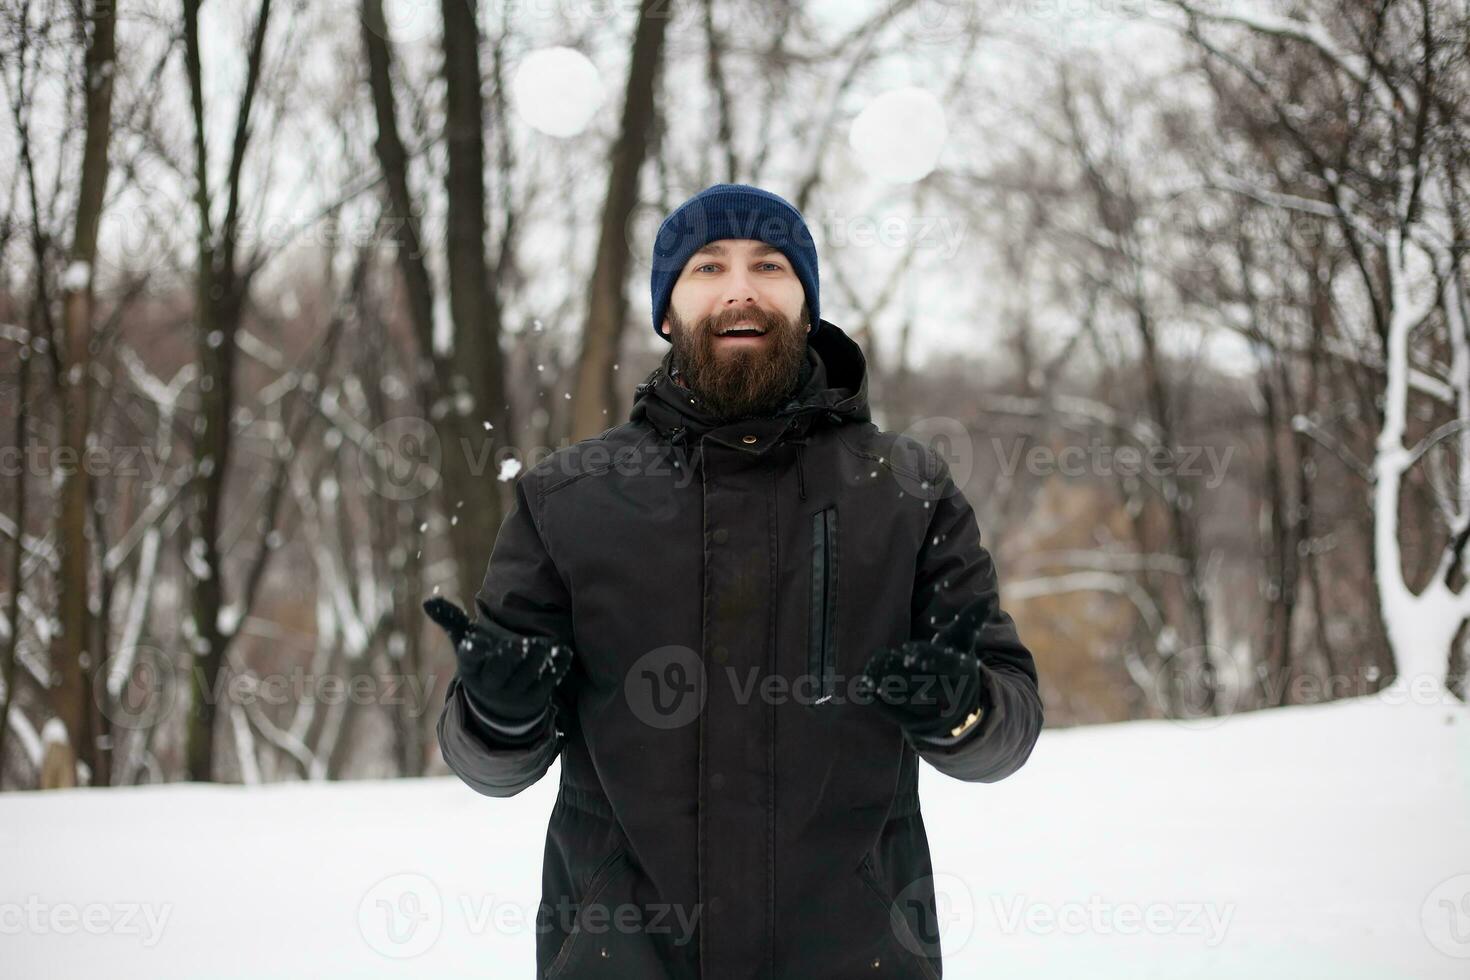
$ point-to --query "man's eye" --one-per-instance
(707, 265)
(773, 265)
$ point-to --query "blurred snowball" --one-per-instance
(898, 135)
(556, 91)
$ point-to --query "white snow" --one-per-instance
(54, 732)
(509, 467)
(227, 619)
(1330, 841)
(76, 277)
(557, 91)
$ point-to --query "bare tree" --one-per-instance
(71, 697)
(595, 395)
(1391, 182)
(476, 378)
(223, 280)
(9, 652)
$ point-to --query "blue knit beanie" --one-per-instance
(731, 211)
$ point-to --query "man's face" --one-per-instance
(734, 284)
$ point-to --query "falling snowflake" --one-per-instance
(76, 277)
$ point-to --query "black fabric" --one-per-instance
(748, 828)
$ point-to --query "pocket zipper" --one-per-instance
(820, 642)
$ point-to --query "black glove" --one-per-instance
(508, 681)
(933, 689)
(930, 690)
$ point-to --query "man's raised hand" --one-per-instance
(507, 680)
(926, 688)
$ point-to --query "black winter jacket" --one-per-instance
(728, 808)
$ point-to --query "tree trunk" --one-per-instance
(8, 653)
(71, 697)
(220, 293)
(595, 397)
(473, 381)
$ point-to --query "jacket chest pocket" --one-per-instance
(822, 632)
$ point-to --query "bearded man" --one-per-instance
(740, 619)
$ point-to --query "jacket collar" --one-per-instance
(836, 390)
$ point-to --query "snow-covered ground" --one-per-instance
(1315, 842)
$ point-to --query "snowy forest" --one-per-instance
(292, 291)
(1180, 286)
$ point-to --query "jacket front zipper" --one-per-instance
(820, 641)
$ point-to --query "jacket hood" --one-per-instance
(836, 390)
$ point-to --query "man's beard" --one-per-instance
(754, 379)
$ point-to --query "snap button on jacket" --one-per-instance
(729, 808)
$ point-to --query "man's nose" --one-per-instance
(740, 290)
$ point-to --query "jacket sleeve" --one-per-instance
(522, 595)
(953, 572)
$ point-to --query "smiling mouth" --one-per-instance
(741, 330)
